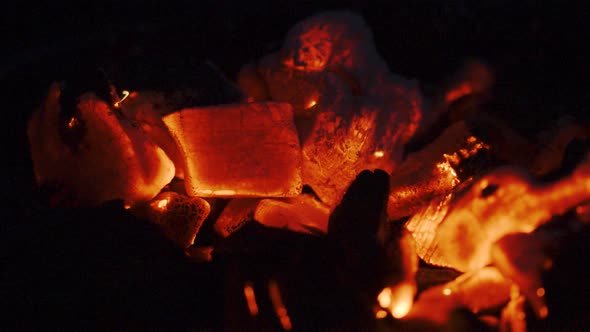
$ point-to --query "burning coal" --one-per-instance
(313, 121)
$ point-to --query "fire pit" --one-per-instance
(312, 188)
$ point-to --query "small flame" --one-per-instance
(379, 154)
(447, 291)
(381, 314)
(384, 298)
(162, 203)
(251, 299)
(311, 104)
(125, 93)
(398, 300)
(446, 168)
(73, 122)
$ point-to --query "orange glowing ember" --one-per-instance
(118, 160)
(162, 204)
(379, 154)
(251, 299)
(461, 237)
(311, 104)
(73, 122)
(381, 314)
(125, 95)
(244, 150)
(461, 91)
(398, 300)
(178, 216)
(277, 303)
(384, 298)
(431, 172)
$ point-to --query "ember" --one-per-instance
(354, 180)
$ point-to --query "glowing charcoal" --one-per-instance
(236, 214)
(430, 172)
(302, 214)
(351, 112)
(477, 291)
(513, 316)
(146, 108)
(340, 46)
(459, 232)
(238, 150)
(299, 88)
(335, 152)
(179, 217)
(523, 258)
(95, 155)
(333, 41)
(398, 297)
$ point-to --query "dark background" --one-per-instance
(536, 50)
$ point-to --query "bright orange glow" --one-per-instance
(243, 150)
(162, 204)
(381, 314)
(540, 292)
(431, 172)
(514, 292)
(311, 104)
(447, 291)
(250, 299)
(384, 298)
(277, 302)
(137, 168)
(379, 154)
(125, 95)
(224, 192)
(481, 213)
(448, 171)
(405, 296)
(464, 153)
(302, 214)
(398, 299)
(336, 151)
(73, 122)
